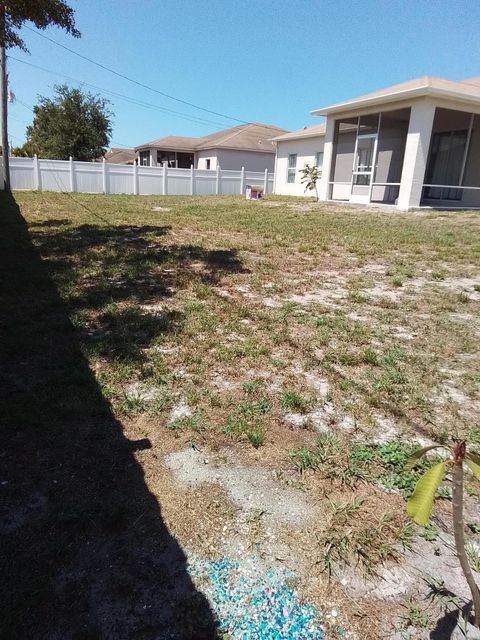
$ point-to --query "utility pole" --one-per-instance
(4, 102)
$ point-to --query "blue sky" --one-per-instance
(266, 61)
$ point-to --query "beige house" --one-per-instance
(410, 145)
(248, 145)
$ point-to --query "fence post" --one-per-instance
(192, 180)
(242, 181)
(104, 176)
(217, 181)
(72, 175)
(135, 178)
(265, 183)
(37, 180)
(165, 177)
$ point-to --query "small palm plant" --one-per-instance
(310, 175)
(420, 504)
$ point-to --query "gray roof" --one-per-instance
(464, 90)
(306, 132)
(245, 137)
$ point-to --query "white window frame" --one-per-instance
(319, 161)
(291, 168)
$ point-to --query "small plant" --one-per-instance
(429, 532)
(397, 281)
(438, 275)
(256, 437)
(420, 504)
(304, 459)
(293, 401)
(310, 174)
(474, 526)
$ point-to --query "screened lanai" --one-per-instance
(368, 157)
(452, 176)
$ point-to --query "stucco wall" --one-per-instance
(201, 158)
(306, 151)
(252, 161)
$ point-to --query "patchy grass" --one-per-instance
(262, 318)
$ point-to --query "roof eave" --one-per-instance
(300, 136)
(398, 96)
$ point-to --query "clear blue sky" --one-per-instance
(267, 61)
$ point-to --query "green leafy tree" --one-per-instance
(73, 123)
(43, 13)
(420, 504)
(310, 176)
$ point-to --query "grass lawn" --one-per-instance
(160, 351)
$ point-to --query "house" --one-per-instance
(413, 144)
(248, 145)
(294, 151)
(119, 156)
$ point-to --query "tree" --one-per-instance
(419, 506)
(73, 123)
(310, 175)
(14, 13)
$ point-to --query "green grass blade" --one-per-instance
(474, 456)
(416, 455)
(473, 465)
(419, 505)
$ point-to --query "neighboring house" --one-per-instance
(248, 145)
(120, 156)
(410, 145)
(294, 151)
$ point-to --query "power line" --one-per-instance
(140, 84)
(122, 96)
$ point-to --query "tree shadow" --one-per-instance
(118, 276)
(84, 551)
(455, 609)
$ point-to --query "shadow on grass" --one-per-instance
(84, 551)
(118, 276)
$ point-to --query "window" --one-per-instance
(144, 157)
(207, 163)
(319, 162)
(292, 167)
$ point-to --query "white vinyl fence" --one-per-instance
(34, 174)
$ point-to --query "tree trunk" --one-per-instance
(457, 512)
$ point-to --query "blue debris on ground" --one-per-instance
(256, 605)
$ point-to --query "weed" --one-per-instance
(304, 459)
(293, 401)
(397, 281)
(250, 387)
(438, 275)
(444, 492)
(195, 422)
(429, 532)
(474, 526)
(256, 437)
(414, 615)
(473, 554)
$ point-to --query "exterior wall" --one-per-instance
(306, 150)
(234, 160)
(202, 156)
